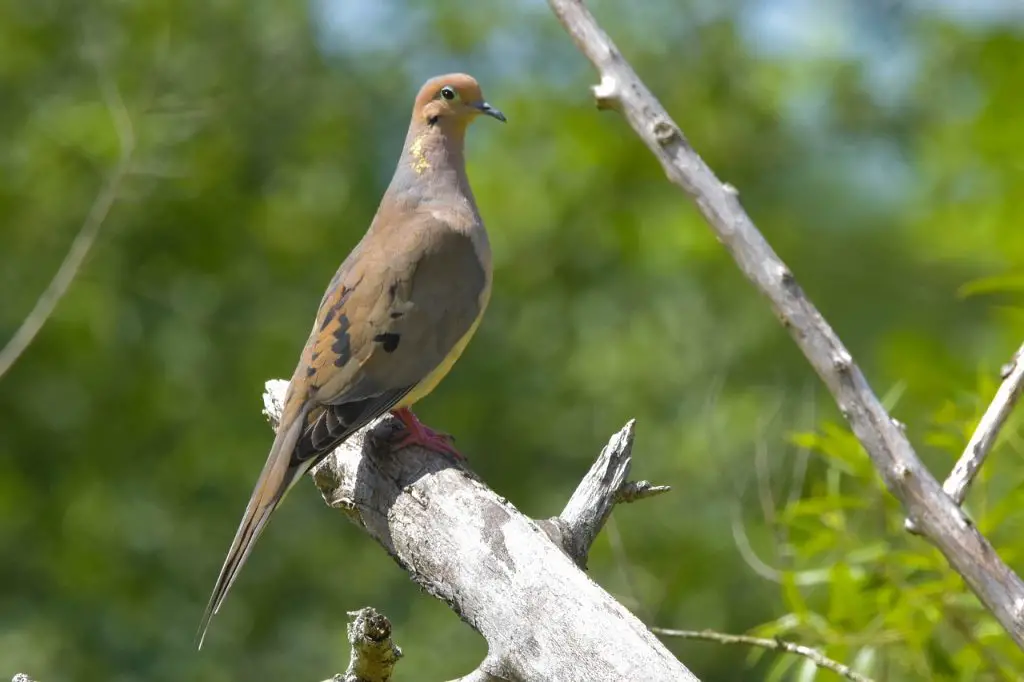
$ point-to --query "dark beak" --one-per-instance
(486, 108)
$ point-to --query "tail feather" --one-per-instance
(294, 452)
(278, 476)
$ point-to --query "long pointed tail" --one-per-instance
(276, 479)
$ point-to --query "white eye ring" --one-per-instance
(447, 93)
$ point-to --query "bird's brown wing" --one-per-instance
(398, 305)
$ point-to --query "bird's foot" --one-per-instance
(416, 433)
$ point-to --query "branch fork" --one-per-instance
(987, 432)
(496, 568)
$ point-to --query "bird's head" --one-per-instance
(452, 101)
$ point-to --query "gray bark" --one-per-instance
(543, 618)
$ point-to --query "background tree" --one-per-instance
(878, 148)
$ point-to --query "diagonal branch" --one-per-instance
(985, 435)
(83, 241)
(905, 476)
(819, 659)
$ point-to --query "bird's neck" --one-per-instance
(432, 165)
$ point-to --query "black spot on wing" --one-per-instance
(334, 309)
(388, 341)
(342, 346)
(328, 316)
(310, 370)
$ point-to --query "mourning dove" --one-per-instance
(395, 317)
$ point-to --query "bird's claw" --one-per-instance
(431, 440)
(415, 433)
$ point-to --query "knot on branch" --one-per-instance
(374, 654)
(606, 93)
(842, 361)
(665, 132)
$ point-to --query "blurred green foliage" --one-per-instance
(878, 147)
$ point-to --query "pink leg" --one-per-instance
(418, 434)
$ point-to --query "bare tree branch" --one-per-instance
(544, 620)
(83, 241)
(985, 435)
(938, 517)
(819, 659)
(603, 487)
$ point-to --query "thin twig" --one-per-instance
(634, 491)
(762, 481)
(985, 435)
(819, 659)
(940, 520)
(86, 236)
(750, 556)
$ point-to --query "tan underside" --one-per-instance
(431, 381)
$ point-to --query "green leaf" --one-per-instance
(1009, 283)
(844, 595)
(792, 596)
(783, 664)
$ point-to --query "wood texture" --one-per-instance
(543, 618)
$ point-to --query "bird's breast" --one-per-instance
(430, 382)
(481, 263)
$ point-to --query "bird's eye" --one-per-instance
(448, 93)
